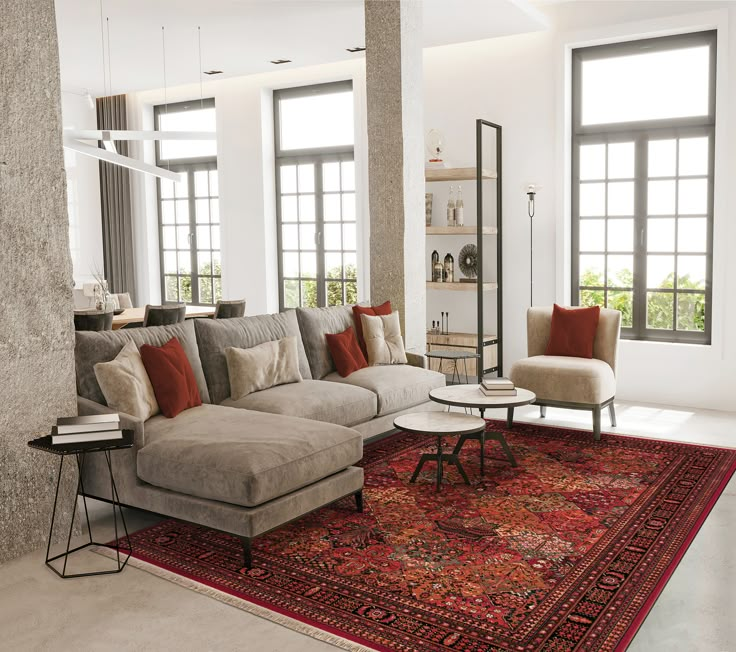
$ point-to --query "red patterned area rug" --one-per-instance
(568, 551)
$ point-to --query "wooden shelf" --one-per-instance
(456, 174)
(461, 287)
(460, 230)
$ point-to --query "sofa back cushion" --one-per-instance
(215, 335)
(314, 324)
(102, 346)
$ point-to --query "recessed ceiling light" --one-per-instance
(278, 62)
(356, 49)
(213, 72)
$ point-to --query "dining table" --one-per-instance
(135, 315)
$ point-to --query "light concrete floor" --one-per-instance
(138, 611)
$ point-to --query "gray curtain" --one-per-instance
(117, 221)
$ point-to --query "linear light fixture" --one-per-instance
(356, 49)
(278, 62)
(213, 72)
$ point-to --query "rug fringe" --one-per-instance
(239, 603)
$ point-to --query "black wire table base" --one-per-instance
(120, 561)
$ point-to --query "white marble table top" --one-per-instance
(439, 423)
(471, 396)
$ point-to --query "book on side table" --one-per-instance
(497, 387)
(75, 430)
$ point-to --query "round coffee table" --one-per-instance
(470, 396)
(440, 424)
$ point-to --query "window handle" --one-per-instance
(318, 238)
(190, 237)
(641, 237)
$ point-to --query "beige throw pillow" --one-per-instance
(262, 366)
(125, 384)
(383, 341)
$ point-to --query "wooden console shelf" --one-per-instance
(463, 342)
(460, 230)
(456, 174)
(461, 287)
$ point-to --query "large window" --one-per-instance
(315, 193)
(642, 196)
(189, 219)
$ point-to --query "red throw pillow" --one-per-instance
(383, 309)
(572, 331)
(171, 376)
(345, 352)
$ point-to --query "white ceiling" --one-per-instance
(241, 37)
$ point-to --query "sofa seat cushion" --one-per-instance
(242, 457)
(344, 405)
(562, 378)
(397, 386)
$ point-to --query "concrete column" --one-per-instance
(36, 323)
(393, 30)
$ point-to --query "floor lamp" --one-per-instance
(531, 194)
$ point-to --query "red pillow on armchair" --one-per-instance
(171, 376)
(572, 331)
(383, 309)
(345, 352)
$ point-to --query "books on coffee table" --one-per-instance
(75, 430)
(497, 387)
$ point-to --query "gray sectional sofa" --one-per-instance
(248, 466)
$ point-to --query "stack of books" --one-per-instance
(497, 387)
(78, 430)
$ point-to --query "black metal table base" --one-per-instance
(493, 435)
(440, 457)
(120, 562)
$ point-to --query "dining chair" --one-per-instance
(230, 309)
(92, 320)
(123, 300)
(165, 315)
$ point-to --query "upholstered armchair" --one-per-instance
(567, 382)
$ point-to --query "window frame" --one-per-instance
(317, 156)
(641, 133)
(187, 166)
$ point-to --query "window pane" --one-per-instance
(289, 236)
(181, 188)
(692, 234)
(213, 184)
(333, 237)
(205, 290)
(204, 263)
(592, 199)
(288, 209)
(216, 263)
(348, 175)
(290, 264)
(592, 235)
(170, 265)
(691, 272)
(172, 288)
(169, 237)
(185, 262)
(693, 197)
(333, 265)
(185, 289)
(331, 207)
(182, 237)
(660, 271)
(193, 120)
(591, 298)
(167, 188)
(288, 178)
(317, 121)
(647, 86)
(623, 302)
(348, 237)
(167, 212)
(693, 156)
(662, 158)
(215, 230)
(182, 211)
(591, 270)
(202, 207)
(348, 206)
(661, 234)
(291, 294)
(621, 198)
(306, 208)
(661, 199)
(691, 312)
(306, 178)
(592, 161)
(217, 282)
(201, 187)
(351, 292)
(331, 176)
(660, 310)
(350, 261)
(307, 234)
(308, 265)
(214, 211)
(621, 271)
(620, 235)
(334, 293)
(309, 294)
(203, 237)
(621, 161)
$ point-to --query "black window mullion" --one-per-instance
(193, 238)
(319, 233)
(639, 300)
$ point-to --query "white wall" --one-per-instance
(83, 192)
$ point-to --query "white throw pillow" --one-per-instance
(383, 341)
(262, 366)
(125, 384)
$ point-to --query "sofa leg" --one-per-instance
(542, 411)
(612, 414)
(359, 501)
(597, 422)
(247, 554)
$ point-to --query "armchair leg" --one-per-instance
(359, 501)
(612, 414)
(597, 423)
(247, 554)
(542, 411)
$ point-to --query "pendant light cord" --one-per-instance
(199, 42)
(109, 64)
(102, 46)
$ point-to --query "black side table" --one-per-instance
(80, 451)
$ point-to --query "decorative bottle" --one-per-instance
(449, 269)
(451, 208)
(437, 272)
(459, 209)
